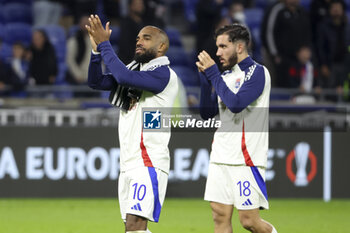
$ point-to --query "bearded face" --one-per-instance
(227, 52)
(230, 62)
(143, 55)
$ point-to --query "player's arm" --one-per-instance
(155, 80)
(96, 79)
(248, 93)
(208, 99)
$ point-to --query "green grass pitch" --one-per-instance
(178, 215)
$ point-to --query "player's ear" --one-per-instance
(161, 48)
(240, 48)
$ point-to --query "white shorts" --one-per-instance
(141, 192)
(241, 186)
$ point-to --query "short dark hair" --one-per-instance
(235, 32)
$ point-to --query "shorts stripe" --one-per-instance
(259, 180)
(157, 207)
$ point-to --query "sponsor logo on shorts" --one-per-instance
(137, 207)
(247, 203)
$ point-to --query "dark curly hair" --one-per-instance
(235, 32)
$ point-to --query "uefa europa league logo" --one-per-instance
(301, 156)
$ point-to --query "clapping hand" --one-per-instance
(97, 32)
(205, 61)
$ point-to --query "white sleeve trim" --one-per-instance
(95, 53)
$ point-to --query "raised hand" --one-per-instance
(97, 31)
(93, 43)
(205, 61)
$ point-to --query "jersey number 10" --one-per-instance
(139, 192)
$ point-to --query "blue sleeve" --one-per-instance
(208, 100)
(97, 80)
(247, 94)
(154, 80)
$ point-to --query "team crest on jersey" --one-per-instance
(237, 83)
(250, 72)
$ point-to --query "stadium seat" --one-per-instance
(190, 10)
(177, 56)
(57, 37)
(5, 52)
(261, 3)
(255, 33)
(174, 37)
(254, 17)
(17, 13)
(305, 4)
(72, 30)
(61, 74)
(347, 2)
(1, 15)
(18, 32)
(188, 76)
(2, 32)
(28, 2)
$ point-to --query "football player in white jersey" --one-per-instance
(147, 82)
(240, 95)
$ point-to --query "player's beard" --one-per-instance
(231, 62)
(146, 56)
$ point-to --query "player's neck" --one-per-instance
(241, 57)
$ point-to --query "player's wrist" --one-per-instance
(212, 72)
(103, 44)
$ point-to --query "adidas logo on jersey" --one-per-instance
(250, 73)
(136, 207)
(247, 202)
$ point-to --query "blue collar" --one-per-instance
(245, 63)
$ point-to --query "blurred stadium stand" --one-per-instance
(115, 37)
(15, 25)
(57, 37)
(190, 10)
(261, 3)
(177, 56)
(305, 3)
(29, 2)
(174, 37)
(254, 18)
(5, 52)
(16, 12)
(187, 75)
(15, 32)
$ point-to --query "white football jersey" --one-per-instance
(150, 149)
(243, 137)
